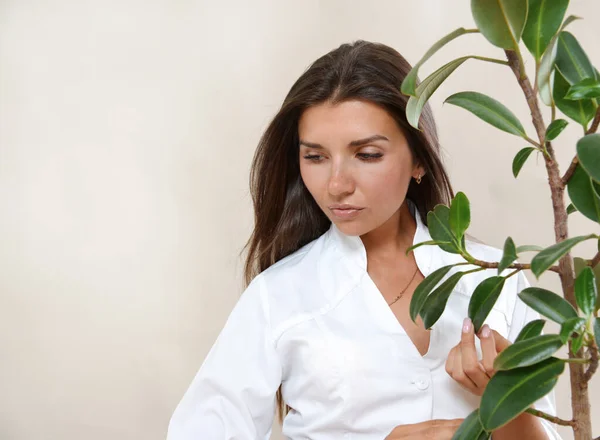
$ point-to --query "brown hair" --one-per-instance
(286, 217)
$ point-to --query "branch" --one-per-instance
(579, 388)
(520, 266)
(536, 115)
(550, 418)
(570, 171)
(532, 142)
(595, 260)
(593, 350)
(576, 361)
(595, 123)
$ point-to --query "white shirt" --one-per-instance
(316, 324)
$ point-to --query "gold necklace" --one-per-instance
(403, 290)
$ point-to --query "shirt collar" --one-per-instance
(353, 249)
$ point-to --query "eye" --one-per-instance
(370, 156)
(313, 157)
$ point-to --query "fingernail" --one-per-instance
(466, 325)
(485, 331)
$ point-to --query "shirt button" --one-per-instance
(421, 383)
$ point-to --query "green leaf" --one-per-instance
(577, 343)
(548, 304)
(500, 21)
(438, 222)
(471, 429)
(527, 352)
(583, 192)
(528, 248)
(424, 289)
(409, 84)
(571, 209)
(571, 59)
(597, 331)
(586, 291)
(555, 128)
(483, 299)
(585, 89)
(547, 65)
(425, 243)
(460, 214)
(543, 20)
(509, 393)
(508, 256)
(546, 258)
(580, 264)
(436, 302)
(588, 153)
(570, 326)
(490, 110)
(520, 160)
(581, 111)
(531, 329)
(415, 104)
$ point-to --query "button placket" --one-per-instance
(422, 382)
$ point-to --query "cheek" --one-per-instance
(313, 180)
(387, 185)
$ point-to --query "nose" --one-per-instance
(341, 181)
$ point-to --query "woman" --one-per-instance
(341, 187)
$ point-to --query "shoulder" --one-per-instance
(293, 286)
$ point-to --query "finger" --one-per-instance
(442, 428)
(458, 374)
(501, 341)
(450, 427)
(468, 354)
(450, 361)
(488, 349)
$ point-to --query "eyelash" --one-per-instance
(367, 157)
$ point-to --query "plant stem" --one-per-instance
(535, 83)
(580, 402)
(570, 171)
(594, 261)
(550, 418)
(595, 123)
(532, 142)
(593, 350)
(576, 361)
(491, 60)
(520, 266)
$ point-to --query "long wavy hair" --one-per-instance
(286, 217)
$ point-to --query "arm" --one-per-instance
(233, 393)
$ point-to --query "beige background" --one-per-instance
(126, 134)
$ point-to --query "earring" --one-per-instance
(418, 179)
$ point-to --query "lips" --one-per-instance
(345, 212)
(345, 207)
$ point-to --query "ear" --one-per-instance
(418, 170)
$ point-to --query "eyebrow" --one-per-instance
(356, 143)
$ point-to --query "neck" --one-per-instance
(392, 238)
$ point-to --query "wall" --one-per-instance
(126, 134)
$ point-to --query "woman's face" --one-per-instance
(354, 153)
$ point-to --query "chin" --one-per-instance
(352, 228)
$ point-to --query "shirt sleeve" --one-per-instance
(523, 314)
(232, 397)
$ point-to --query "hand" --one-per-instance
(430, 430)
(462, 364)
